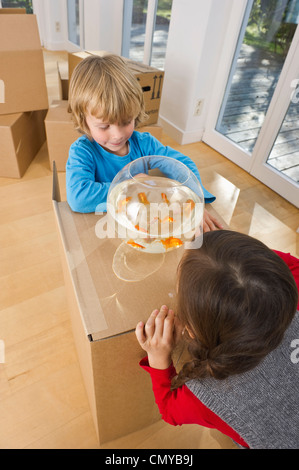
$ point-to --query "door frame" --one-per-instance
(278, 108)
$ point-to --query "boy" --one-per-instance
(106, 102)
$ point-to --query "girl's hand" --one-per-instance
(210, 223)
(158, 337)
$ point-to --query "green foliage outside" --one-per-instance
(163, 10)
(271, 25)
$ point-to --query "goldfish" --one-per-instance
(164, 197)
(171, 242)
(141, 229)
(143, 198)
(123, 203)
(135, 245)
(167, 219)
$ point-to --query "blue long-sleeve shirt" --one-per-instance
(90, 169)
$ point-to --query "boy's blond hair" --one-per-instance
(104, 87)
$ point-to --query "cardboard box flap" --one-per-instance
(12, 11)
(55, 186)
(110, 305)
(7, 120)
(139, 67)
(93, 317)
(19, 32)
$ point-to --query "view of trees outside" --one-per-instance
(272, 24)
(18, 4)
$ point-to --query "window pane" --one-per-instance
(73, 21)
(161, 33)
(136, 51)
(257, 66)
(18, 4)
(284, 155)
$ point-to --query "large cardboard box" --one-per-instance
(104, 311)
(22, 73)
(61, 133)
(63, 79)
(150, 79)
(110, 287)
(21, 136)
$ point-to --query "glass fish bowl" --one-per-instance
(155, 204)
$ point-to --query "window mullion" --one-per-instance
(149, 30)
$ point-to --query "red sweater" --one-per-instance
(181, 406)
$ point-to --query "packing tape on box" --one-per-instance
(84, 288)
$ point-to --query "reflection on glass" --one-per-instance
(257, 65)
(18, 4)
(139, 13)
(284, 155)
(161, 33)
(73, 21)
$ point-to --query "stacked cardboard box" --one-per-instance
(104, 311)
(108, 293)
(23, 92)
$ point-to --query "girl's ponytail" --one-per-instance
(236, 298)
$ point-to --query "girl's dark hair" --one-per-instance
(236, 298)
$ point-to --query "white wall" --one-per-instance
(194, 45)
(103, 25)
(52, 23)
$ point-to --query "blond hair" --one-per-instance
(104, 87)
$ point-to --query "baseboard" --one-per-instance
(180, 136)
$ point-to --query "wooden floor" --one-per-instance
(253, 84)
(43, 402)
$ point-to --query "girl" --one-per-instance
(236, 304)
(106, 102)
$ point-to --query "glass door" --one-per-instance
(145, 30)
(75, 23)
(257, 122)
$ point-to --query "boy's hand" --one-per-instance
(210, 223)
(159, 336)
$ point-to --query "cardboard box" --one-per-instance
(61, 133)
(150, 79)
(63, 79)
(104, 311)
(12, 11)
(21, 136)
(22, 74)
